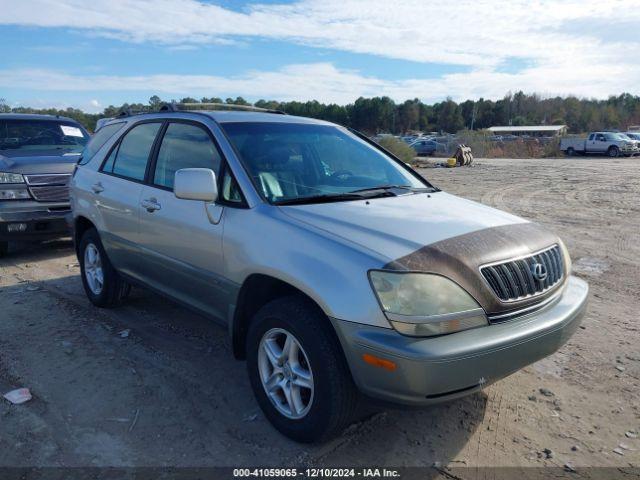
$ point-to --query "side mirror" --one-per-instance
(196, 184)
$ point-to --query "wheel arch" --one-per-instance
(80, 225)
(256, 291)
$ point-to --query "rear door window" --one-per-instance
(133, 153)
(184, 145)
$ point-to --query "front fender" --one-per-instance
(329, 270)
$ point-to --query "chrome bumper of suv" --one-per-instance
(39, 220)
(430, 370)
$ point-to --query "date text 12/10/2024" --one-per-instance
(316, 472)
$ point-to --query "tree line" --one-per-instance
(383, 115)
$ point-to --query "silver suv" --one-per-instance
(339, 272)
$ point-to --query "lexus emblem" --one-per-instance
(539, 272)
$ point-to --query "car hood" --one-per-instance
(397, 226)
(437, 233)
(42, 161)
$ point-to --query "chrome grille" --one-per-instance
(515, 279)
(50, 194)
(49, 187)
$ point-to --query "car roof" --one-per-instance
(34, 116)
(224, 116)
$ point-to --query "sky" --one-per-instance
(90, 54)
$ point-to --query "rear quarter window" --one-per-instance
(97, 141)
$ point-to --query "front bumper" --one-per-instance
(42, 220)
(431, 370)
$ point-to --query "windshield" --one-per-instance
(616, 136)
(28, 135)
(290, 161)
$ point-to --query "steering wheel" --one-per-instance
(341, 175)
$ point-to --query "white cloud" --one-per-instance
(466, 32)
(551, 37)
(91, 106)
(43, 102)
(326, 83)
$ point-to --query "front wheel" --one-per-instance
(613, 151)
(298, 371)
(102, 283)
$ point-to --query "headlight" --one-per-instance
(11, 178)
(422, 305)
(14, 194)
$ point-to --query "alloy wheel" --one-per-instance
(93, 272)
(285, 373)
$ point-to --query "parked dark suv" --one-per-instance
(37, 156)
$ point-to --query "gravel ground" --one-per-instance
(151, 384)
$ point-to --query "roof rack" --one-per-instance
(178, 107)
(185, 107)
(127, 112)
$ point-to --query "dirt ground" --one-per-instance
(170, 394)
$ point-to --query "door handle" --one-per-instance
(151, 205)
(97, 187)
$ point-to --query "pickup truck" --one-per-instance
(603, 143)
(37, 156)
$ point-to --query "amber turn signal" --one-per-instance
(379, 362)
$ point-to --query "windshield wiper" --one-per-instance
(391, 187)
(334, 197)
(362, 193)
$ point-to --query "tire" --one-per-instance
(324, 410)
(570, 152)
(4, 248)
(613, 151)
(104, 287)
